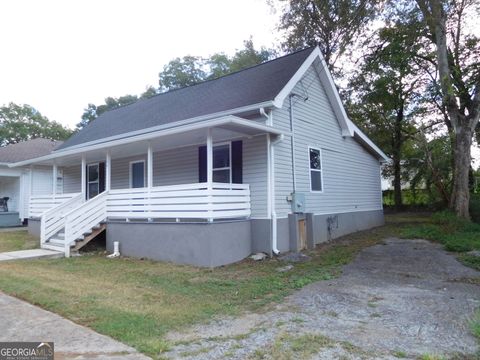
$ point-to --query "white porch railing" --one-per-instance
(84, 218)
(52, 220)
(38, 204)
(190, 201)
(187, 201)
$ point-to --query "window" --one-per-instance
(316, 176)
(93, 180)
(137, 174)
(221, 163)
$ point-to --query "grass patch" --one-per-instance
(475, 325)
(137, 301)
(455, 234)
(17, 240)
(288, 347)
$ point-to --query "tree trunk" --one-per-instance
(460, 199)
(397, 184)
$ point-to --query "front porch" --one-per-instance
(158, 181)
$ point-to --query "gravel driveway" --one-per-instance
(400, 299)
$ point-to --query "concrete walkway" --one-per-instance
(30, 254)
(21, 321)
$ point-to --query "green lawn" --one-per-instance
(137, 302)
(17, 240)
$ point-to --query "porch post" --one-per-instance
(54, 179)
(108, 171)
(84, 177)
(149, 166)
(209, 157)
(209, 172)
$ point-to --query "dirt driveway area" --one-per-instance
(399, 299)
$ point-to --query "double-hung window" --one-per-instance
(316, 175)
(222, 169)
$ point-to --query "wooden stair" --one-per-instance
(96, 230)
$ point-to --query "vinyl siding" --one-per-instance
(255, 173)
(71, 179)
(351, 175)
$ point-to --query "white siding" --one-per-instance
(121, 171)
(175, 166)
(255, 173)
(42, 181)
(71, 179)
(351, 175)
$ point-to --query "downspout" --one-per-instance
(271, 180)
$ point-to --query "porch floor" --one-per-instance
(30, 255)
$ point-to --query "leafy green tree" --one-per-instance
(93, 111)
(190, 70)
(387, 88)
(181, 72)
(23, 122)
(458, 83)
(333, 25)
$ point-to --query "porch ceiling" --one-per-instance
(223, 129)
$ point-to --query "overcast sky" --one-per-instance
(58, 56)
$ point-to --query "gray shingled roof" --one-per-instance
(26, 150)
(251, 86)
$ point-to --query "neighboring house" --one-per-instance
(205, 175)
(20, 182)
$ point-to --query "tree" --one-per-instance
(191, 70)
(458, 84)
(333, 25)
(387, 88)
(181, 72)
(23, 122)
(93, 111)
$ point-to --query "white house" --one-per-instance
(18, 183)
(264, 159)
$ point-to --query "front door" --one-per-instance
(95, 179)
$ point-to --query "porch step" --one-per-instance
(96, 230)
(53, 247)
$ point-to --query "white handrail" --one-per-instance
(181, 201)
(38, 204)
(83, 218)
(53, 220)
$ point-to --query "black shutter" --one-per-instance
(237, 162)
(101, 177)
(202, 164)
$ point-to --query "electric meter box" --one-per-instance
(298, 202)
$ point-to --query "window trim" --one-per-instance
(97, 164)
(130, 178)
(229, 143)
(320, 171)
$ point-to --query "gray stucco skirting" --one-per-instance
(34, 227)
(199, 244)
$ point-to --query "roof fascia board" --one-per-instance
(329, 85)
(226, 120)
(168, 126)
(370, 143)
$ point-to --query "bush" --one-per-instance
(475, 207)
(455, 234)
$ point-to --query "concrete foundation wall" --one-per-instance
(328, 227)
(199, 244)
(34, 227)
